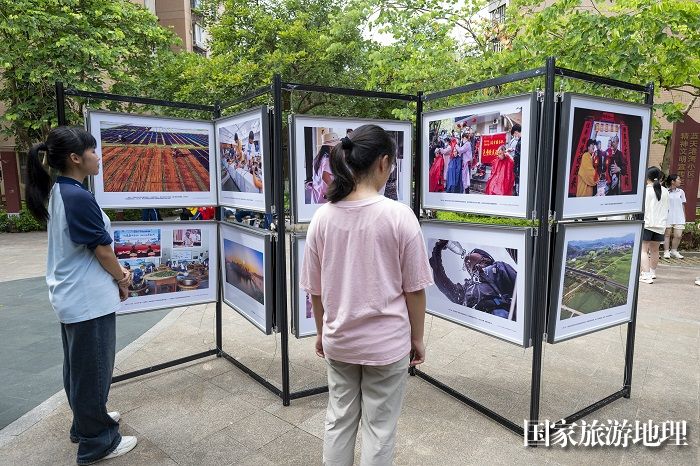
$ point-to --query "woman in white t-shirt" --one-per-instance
(655, 221)
(676, 217)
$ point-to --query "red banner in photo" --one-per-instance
(489, 146)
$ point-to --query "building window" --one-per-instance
(498, 14)
(195, 4)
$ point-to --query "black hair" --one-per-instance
(352, 159)
(654, 174)
(60, 144)
(670, 179)
(591, 141)
(324, 151)
(235, 136)
(251, 135)
(516, 127)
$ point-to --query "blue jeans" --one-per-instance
(88, 362)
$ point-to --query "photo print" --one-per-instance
(167, 270)
(595, 287)
(152, 162)
(477, 158)
(606, 147)
(479, 275)
(244, 160)
(132, 244)
(313, 138)
(304, 323)
(247, 274)
(189, 238)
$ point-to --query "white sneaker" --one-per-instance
(652, 274)
(676, 254)
(125, 446)
(667, 254)
(697, 281)
(645, 278)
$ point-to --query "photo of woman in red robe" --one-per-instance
(502, 177)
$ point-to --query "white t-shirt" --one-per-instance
(655, 210)
(676, 213)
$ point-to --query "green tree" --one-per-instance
(94, 45)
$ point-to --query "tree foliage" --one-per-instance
(91, 44)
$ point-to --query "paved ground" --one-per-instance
(30, 339)
(209, 412)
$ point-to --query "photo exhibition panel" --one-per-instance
(153, 162)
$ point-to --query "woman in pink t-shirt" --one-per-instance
(366, 269)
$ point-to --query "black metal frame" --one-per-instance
(543, 248)
(543, 213)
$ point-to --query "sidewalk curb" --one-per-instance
(45, 409)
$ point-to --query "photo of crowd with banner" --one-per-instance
(606, 145)
(246, 269)
(243, 160)
(477, 158)
(152, 162)
(595, 286)
(313, 138)
(479, 275)
(169, 264)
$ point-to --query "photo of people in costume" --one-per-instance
(304, 323)
(602, 155)
(476, 158)
(606, 147)
(479, 275)
(476, 154)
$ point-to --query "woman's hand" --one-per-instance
(125, 281)
(123, 293)
(417, 353)
(319, 346)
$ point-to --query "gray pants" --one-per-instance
(371, 393)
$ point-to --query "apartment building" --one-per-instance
(179, 15)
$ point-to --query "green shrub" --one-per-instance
(482, 219)
(19, 223)
(691, 237)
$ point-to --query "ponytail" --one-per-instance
(655, 175)
(343, 180)
(353, 157)
(60, 144)
(38, 183)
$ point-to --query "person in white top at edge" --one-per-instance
(86, 284)
(655, 220)
(676, 217)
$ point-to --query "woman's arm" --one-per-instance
(317, 307)
(105, 255)
(415, 301)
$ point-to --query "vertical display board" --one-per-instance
(303, 322)
(169, 263)
(311, 140)
(596, 277)
(476, 160)
(153, 162)
(481, 274)
(246, 267)
(602, 159)
(243, 159)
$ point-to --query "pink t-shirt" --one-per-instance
(361, 257)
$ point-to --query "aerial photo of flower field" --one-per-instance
(154, 159)
(597, 274)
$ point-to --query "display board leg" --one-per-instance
(543, 202)
(508, 424)
(60, 103)
(165, 365)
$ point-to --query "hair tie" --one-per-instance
(346, 143)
